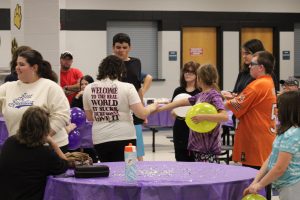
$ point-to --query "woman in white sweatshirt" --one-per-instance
(33, 89)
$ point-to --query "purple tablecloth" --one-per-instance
(157, 180)
(86, 135)
(161, 119)
(3, 132)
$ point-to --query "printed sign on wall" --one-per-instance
(196, 51)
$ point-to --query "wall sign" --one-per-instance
(285, 55)
(196, 51)
(172, 55)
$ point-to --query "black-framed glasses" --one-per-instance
(246, 53)
(189, 71)
(254, 64)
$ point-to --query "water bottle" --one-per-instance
(130, 162)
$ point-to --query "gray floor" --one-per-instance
(164, 148)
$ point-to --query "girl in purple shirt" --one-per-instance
(205, 146)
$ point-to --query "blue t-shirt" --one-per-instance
(287, 142)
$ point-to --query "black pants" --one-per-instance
(112, 151)
(64, 149)
(268, 188)
(184, 155)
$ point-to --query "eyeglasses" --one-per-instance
(189, 72)
(254, 64)
(246, 53)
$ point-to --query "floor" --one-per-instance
(164, 148)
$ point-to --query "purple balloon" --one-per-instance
(78, 116)
(74, 139)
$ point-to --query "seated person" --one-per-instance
(290, 84)
(25, 160)
(77, 100)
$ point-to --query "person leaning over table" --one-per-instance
(108, 102)
(32, 89)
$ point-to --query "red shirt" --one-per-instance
(70, 77)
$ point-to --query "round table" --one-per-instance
(157, 180)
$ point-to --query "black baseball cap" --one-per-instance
(291, 81)
(66, 55)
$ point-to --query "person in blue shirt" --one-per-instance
(282, 168)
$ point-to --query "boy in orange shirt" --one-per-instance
(254, 108)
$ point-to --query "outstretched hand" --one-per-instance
(252, 189)
(153, 107)
(228, 95)
(70, 127)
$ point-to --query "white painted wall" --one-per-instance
(188, 5)
(5, 4)
(88, 49)
(42, 27)
(170, 70)
(286, 44)
(230, 59)
(5, 46)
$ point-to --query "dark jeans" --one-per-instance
(112, 151)
(64, 149)
(268, 188)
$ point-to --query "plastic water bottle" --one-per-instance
(130, 162)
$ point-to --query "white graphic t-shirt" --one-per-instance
(109, 101)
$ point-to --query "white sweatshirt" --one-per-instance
(16, 97)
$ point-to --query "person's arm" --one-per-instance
(260, 174)
(282, 163)
(56, 148)
(75, 87)
(174, 104)
(142, 112)
(89, 115)
(70, 127)
(219, 117)
(147, 83)
(59, 108)
(72, 88)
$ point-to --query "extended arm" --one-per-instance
(147, 83)
(219, 117)
(174, 104)
(142, 112)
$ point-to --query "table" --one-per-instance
(157, 180)
(3, 132)
(157, 121)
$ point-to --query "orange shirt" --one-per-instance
(254, 107)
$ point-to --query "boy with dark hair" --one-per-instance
(121, 48)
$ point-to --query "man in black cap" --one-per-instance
(69, 76)
(290, 84)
